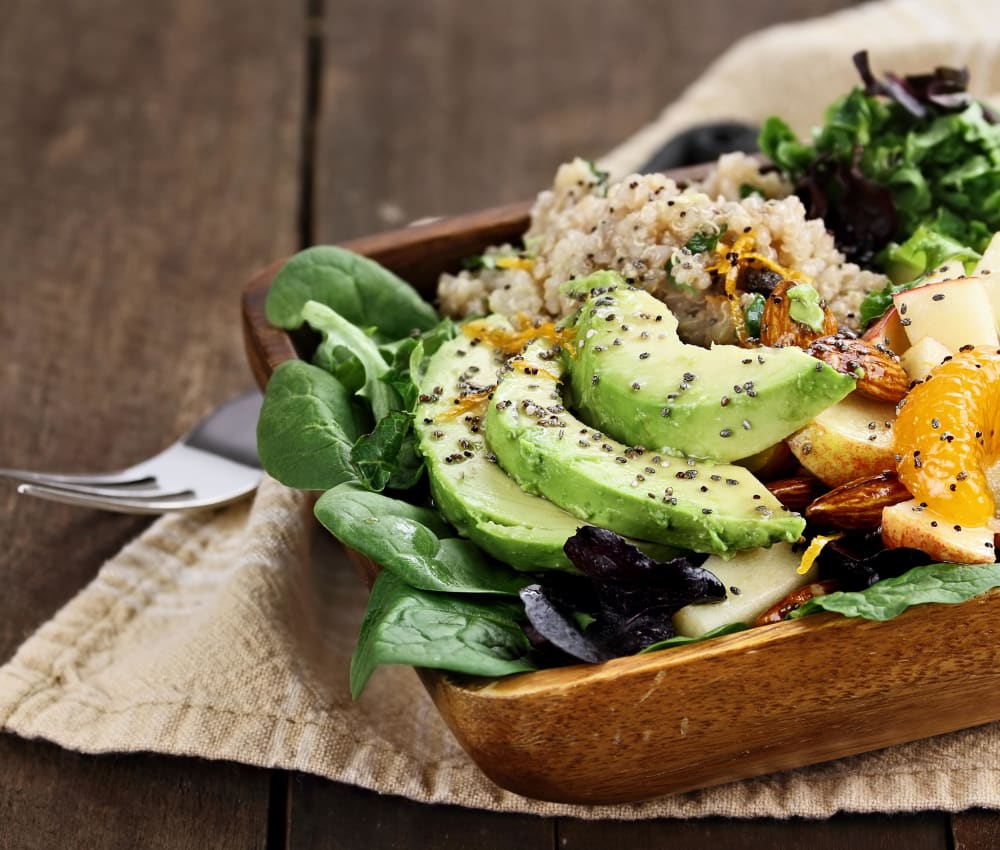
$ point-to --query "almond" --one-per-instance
(857, 505)
(797, 492)
(879, 372)
(778, 328)
(796, 599)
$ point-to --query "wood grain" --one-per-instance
(859, 832)
(329, 816)
(148, 164)
(437, 108)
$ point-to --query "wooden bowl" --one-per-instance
(772, 698)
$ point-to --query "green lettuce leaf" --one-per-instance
(942, 583)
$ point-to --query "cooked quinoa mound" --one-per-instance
(663, 237)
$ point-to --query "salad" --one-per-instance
(669, 414)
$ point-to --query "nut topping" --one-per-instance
(880, 375)
(857, 505)
(778, 328)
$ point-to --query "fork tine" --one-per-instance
(127, 490)
(126, 505)
(133, 475)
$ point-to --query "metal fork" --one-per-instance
(212, 464)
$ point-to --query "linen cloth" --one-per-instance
(227, 634)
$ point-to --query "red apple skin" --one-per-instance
(888, 331)
(907, 524)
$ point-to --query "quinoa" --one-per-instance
(643, 227)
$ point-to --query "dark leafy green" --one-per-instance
(626, 598)
(942, 583)
(893, 156)
(684, 640)
(403, 625)
(307, 427)
(362, 291)
(412, 542)
(385, 457)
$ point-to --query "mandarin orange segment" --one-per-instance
(946, 436)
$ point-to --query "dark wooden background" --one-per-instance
(152, 156)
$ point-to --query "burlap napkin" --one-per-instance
(219, 635)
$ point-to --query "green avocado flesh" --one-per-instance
(704, 506)
(473, 493)
(634, 378)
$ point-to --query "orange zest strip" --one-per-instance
(510, 342)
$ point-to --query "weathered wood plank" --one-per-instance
(859, 832)
(977, 829)
(329, 815)
(437, 107)
(149, 162)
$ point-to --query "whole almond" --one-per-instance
(857, 505)
(879, 373)
(778, 328)
(797, 492)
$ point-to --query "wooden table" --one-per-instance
(151, 157)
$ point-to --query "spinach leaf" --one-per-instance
(413, 543)
(359, 289)
(307, 427)
(338, 332)
(403, 625)
(408, 360)
(387, 456)
(684, 640)
(945, 583)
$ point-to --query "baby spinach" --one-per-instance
(307, 427)
(403, 625)
(387, 457)
(413, 543)
(943, 583)
(359, 289)
(338, 332)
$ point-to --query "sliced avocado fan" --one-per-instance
(634, 378)
(699, 505)
(469, 488)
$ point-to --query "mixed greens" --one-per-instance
(905, 172)
(344, 424)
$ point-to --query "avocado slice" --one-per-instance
(469, 488)
(634, 378)
(699, 505)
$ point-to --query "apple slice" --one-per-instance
(888, 331)
(755, 579)
(908, 524)
(851, 439)
(918, 360)
(954, 312)
(988, 271)
(948, 271)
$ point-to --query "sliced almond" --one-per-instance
(879, 372)
(857, 505)
(778, 328)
